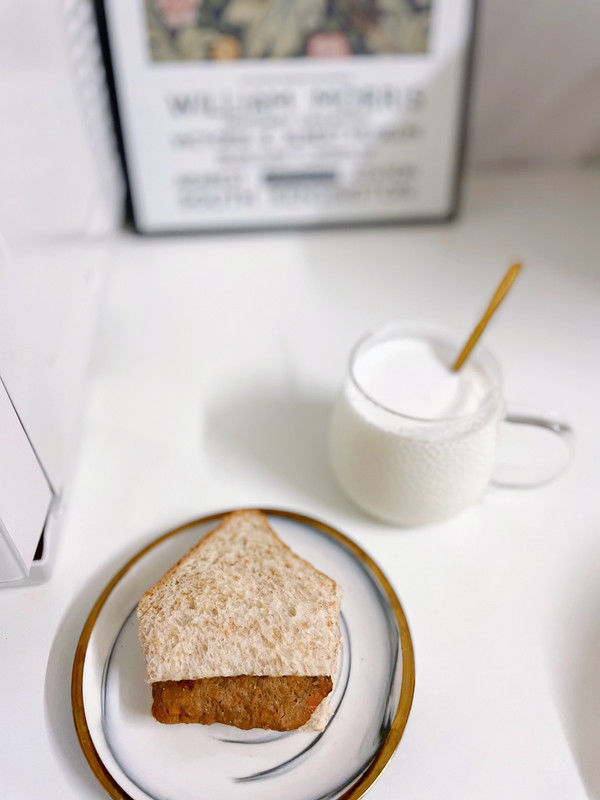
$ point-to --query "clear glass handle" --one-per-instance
(533, 449)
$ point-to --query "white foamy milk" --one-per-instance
(412, 377)
(411, 441)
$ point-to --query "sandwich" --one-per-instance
(241, 631)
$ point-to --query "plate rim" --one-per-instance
(390, 743)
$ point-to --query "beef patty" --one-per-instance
(246, 701)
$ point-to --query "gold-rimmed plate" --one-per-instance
(136, 758)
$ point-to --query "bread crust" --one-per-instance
(245, 701)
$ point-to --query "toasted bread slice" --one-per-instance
(240, 604)
(245, 701)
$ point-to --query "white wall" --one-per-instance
(536, 98)
(57, 162)
(537, 88)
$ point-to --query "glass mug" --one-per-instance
(410, 470)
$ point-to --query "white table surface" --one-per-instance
(211, 383)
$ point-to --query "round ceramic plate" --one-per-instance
(136, 758)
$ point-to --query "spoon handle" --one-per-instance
(498, 296)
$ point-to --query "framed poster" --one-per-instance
(271, 113)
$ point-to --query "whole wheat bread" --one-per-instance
(241, 603)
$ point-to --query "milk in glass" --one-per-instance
(411, 441)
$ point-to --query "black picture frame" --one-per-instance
(457, 181)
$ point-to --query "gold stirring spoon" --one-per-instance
(498, 296)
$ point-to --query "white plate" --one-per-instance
(136, 758)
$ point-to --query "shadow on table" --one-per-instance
(57, 690)
(577, 675)
(282, 435)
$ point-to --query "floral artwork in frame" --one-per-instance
(196, 30)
